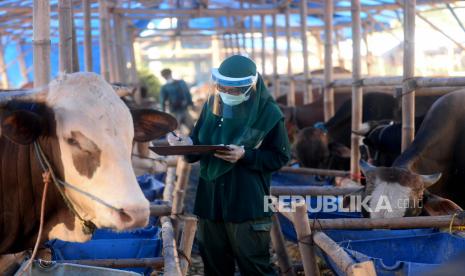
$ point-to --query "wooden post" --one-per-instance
(408, 92)
(183, 171)
(111, 53)
(252, 37)
(41, 38)
(22, 62)
(263, 45)
(369, 56)
(291, 92)
(357, 92)
(170, 253)
(75, 53)
(338, 47)
(306, 247)
(276, 84)
(87, 35)
(3, 67)
(308, 94)
(187, 239)
(169, 184)
(121, 60)
(104, 62)
(341, 259)
(277, 239)
(66, 36)
(132, 56)
(328, 92)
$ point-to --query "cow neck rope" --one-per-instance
(88, 226)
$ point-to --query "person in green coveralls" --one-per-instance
(233, 223)
(177, 94)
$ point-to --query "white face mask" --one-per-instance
(233, 100)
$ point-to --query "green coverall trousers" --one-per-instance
(247, 243)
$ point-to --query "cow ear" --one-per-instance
(435, 205)
(22, 127)
(150, 124)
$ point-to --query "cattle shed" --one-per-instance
(288, 39)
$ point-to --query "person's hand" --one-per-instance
(232, 155)
(178, 140)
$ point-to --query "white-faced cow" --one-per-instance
(438, 149)
(86, 133)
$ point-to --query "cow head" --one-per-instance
(87, 133)
(311, 147)
(395, 192)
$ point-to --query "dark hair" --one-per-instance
(166, 73)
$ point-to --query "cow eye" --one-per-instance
(72, 142)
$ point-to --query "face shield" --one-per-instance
(231, 97)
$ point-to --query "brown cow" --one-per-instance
(86, 133)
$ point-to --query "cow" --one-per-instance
(327, 146)
(436, 156)
(382, 140)
(85, 133)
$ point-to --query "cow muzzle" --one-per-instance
(131, 216)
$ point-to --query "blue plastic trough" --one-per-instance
(106, 244)
(401, 252)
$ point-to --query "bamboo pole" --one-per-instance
(306, 247)
(3, 67)
(341, 259)
(170, 255)
(312, 171)
(75, 53)
(183, 171)
(308, 95)
(66, 36)
(132, 56)
(41, 44)
(291, 92)
(313, 190)
(392, 223)
(111, 52)
(187, 240)
(169, 184)
(328, 98)
(338, 48)
(277, 239)
(22, 62)
(156, 263)
(357, 92)
(87, 35)
(160, 210)
(252, 37)
(276, 84)
(408, 98)
(263, 44)
(104, 63)
(121, 59)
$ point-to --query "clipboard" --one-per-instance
(184, 150)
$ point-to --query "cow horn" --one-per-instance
(33, 95)
(430, 179)
(365, 166)
(122, 90)
(363, 130)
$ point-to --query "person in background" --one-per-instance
(177, 94)
(233, 224)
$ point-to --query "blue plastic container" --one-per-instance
(400, 253)
(151, 186)
(105, 244)
(293, 179)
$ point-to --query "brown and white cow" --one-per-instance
(436, 156)
(86, 132)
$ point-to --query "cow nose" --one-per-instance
(134, 217)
